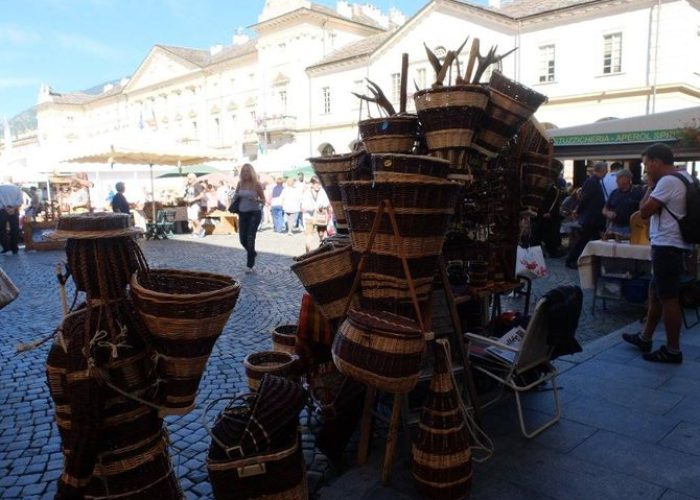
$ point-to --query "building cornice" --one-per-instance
(306, 14)
(670, 88)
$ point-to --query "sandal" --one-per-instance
(661, 355)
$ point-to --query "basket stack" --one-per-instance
(184, 312)
(379, 349)
(538, 172)
(255, 450)
(510, 105)
(441, 456)
(423, 211)
(450, 116)
(393, 134)
(334, 169)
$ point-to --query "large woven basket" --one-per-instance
(284, 338)
(184, 312)
(258, 364)
(393, 134)
(379, 349)
(537, 178)
(423, 212)
(327, 275)
(400, 167)
(450, 117)
(511, 104)
(334, 169)
(441, 456)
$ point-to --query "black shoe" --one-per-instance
(661, 355)
(636, 339)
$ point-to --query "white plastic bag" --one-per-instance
(530, 263)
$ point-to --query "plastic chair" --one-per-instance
(531, 366)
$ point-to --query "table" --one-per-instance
(227, 222)
(606, 267)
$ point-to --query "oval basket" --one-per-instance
(284, 338)
(281, 364)
(393, 134)
(184, 312)
(400, 167)
(379, 349)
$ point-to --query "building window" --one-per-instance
(331, 40)
(395, 87)
(421, 79)
(326, 92)
(217, 131)
(612, 53)
(282, 95)
(546, 70)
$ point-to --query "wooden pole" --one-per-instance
(404, 83)
(473, 53)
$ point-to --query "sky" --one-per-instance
(73, 45)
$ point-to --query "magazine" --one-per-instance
(511, 338)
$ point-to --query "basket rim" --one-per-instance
(404, 117)
(452, 88)
(433, 181)
(320, 256)
(143, 292)
(289, 358)
(335, 157)
(406, 155)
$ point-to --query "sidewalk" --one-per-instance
(629, 428)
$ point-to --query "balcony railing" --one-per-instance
(277, 124)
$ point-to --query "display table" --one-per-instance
(615, 271)
(227, 223)
(34, 233)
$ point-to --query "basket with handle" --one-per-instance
(440, 453)
(510, 105)
(184, 312)
(450, 116)
(391, 134)
(334, 169)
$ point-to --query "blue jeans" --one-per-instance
(277, 219)
(248, 223)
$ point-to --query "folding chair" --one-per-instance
(531, 366)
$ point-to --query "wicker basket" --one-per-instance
(510, 106)
(441, 456)
(327, 275)
(284, 338)
(450, 116)
(394, 134)
(281, 364)
(398, 167)
(334, 169)
(379, 349)
(537, 178)
(184, 312)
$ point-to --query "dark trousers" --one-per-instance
(248, 223)
(588, 233)
(13, 220)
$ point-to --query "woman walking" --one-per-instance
(251, 195)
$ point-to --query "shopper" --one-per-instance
(194, 194)
(119, 203)
(291, 204)
(590, 212)
(666, 193)
(621, 204)
(251, 195)
(11, 200)
(276, 209)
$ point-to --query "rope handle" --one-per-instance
(385, 205)
(205, 422)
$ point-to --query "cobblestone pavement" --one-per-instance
(30, 458)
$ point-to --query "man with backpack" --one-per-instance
(672, 204)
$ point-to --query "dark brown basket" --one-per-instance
(398, 167)
(327, 275)
(184, 312)
(258, 364)
(441, 455)
(393, 134)
(518, 92)
(334, 169)
(284, 338)
(379, 349)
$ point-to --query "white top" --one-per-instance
(291, 200)
(10, 196)
(663, 228)
(610, 183)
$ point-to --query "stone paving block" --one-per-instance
(202, 489)
(675, 495)
(685, 437)
(603, 414)
(605, 371)
(13, 492)
(28, 479)
(682, 385)
(35, 489)
(7, 481)
(648, 462)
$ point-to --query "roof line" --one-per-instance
(327, 14)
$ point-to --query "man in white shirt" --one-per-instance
(665, 193)
(11, 199)
(610, 179)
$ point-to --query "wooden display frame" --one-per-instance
(32, 231)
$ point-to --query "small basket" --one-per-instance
(257, 364)
(393, 134)
(396, 167)
(284, 338)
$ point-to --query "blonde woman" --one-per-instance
(251, 195)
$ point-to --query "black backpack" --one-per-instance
(690, 224)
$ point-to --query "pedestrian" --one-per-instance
(621, 204)
(301, 186)
(610, 179)
(291, 204)
(11, 200)
(119, 203)
(251, 195)
(35, 206)
(547, 224)
(194, 194)
(276, 209)
(314, 203)
(665, 193)
(590, 212)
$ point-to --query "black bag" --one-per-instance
(690, 224)
(235, 206)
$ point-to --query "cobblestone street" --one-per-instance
(30, 458)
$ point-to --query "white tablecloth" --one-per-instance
(600, 248)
